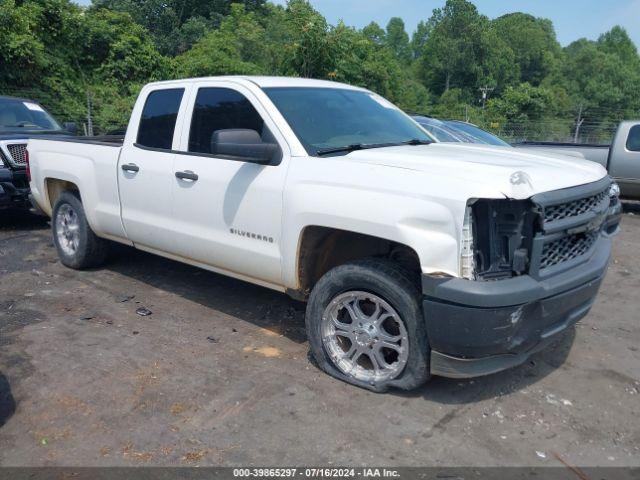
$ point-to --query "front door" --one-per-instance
(228, 212)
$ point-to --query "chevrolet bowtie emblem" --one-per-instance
(520, 178)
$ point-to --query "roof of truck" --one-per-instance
(266, 82)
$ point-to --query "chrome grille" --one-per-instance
(573, 209)
(18, 152)
(567, 248)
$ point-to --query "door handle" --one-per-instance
(187, 175)
(130, 167)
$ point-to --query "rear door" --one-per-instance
(230, 216)
(145, 169)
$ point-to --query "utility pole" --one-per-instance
(579, 122)
(485, 95)
(89, 119)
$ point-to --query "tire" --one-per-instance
(369, 284)
(78, 247)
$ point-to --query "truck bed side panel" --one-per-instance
(92, 167)
(594, 153)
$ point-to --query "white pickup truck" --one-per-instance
(416, 258)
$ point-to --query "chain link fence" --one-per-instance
(596, 126)
(578, 125)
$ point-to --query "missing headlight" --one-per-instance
(503, 233)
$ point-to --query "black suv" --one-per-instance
(21, 119)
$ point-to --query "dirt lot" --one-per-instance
(219, 375)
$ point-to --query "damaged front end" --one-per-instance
(529, 270)
(543, 235)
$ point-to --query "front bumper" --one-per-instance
(14, 189)
(477, 328)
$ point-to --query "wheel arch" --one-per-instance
(54, 188)
(322, 248)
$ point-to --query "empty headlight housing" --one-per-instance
(496, 239)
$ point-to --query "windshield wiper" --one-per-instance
(346, 149)
(367, 146)
(416, 141)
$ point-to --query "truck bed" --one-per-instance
(90, 164)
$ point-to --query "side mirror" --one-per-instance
(243, 144)
(71, 127)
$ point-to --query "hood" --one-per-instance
(512, 172)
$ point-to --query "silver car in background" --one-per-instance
(621, 158)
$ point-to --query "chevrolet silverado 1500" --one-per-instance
(415, 257)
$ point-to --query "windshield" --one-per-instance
(476, 134)
(22, 115)
(332, 118)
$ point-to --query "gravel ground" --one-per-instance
(218, 374)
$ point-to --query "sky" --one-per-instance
(573, 19)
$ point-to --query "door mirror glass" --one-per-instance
(244, 144)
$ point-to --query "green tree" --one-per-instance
(529, 112)
(39, 50)
(602, 80)
(220, 52)
(375, 33)
(19, 45)
(533, 40)
(397, 40)
(463, 50)
(309, 48)
(419, 38)
(361, 61)
(177, 24)
(617, 42)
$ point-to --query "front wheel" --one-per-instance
(365, 326)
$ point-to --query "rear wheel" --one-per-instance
(365, 326)
(78, 247)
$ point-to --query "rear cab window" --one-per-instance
(633, 141)
(158, 120)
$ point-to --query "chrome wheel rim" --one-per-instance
(365, 337)
(68, 229)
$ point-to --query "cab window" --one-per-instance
(633, 142)
(158, 121)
